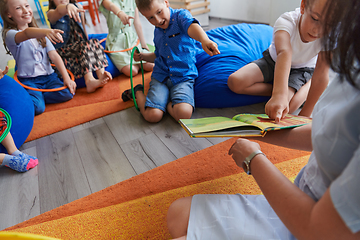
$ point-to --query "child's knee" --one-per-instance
(234, 83)
(39, 108)
(153, 115)
(183, 110)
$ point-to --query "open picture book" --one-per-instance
(241, 125)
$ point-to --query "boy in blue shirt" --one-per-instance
(174, 73)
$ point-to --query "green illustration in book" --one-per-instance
(240, 125)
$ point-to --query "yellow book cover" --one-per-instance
(241, 125)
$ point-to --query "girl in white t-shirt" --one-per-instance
(293, 58)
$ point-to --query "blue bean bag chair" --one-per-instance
(17, 102)
(111, 68)
(239, 45)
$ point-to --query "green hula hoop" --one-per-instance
(131, 76)
(8, 119)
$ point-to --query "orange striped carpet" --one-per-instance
(136, 208)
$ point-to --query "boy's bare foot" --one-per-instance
(93, 84)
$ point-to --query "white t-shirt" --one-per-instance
(303, 54)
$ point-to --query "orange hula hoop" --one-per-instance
(124, 50)
(44, 90)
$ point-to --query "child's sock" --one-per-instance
(20, 162)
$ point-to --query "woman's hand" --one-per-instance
(241, 149)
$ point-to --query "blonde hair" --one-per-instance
(11, 24)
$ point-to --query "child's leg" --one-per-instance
(92, 84)
(9, 144)
(299, 97)
(180, 110)
(18, 161)
(182, 101)
(126, 70)
(53, 81)
(136, 69)
(249, 80)
(150, 114)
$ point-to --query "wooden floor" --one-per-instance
(87, 158)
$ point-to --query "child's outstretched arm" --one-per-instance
(139, 31)
(319, 82)
(56, 59)
(3, 73)
(64, 9)
(125, 19)
(278, 105)
(197, 33)
(54, 35)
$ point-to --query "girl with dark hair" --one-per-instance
(81, 56)
(324, 202)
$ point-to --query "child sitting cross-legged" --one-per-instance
(174, 73)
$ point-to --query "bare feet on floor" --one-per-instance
(92, 84)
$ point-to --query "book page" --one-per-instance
(265, 123)
(210, 124)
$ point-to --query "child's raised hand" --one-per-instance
(54, 35)
(276, 108)
(125, 19)
(3, 73)
(73, 12)
(210, 47)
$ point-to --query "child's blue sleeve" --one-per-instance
(186, 19)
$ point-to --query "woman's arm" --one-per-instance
(62, 10)
(296, 138)
(305, 218)
(278, 105)
(54, 35)
(319, 82)
(56, 59)
(139, 31)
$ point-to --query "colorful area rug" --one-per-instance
(136, 208)
(85, 107)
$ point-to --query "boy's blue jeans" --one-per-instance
(160, 94)
(46, 82)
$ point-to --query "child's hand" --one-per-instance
(125, 19)
(276, 108)
(210, 47)
(54, 35)
(3, 73)
(138, 56)
(73, 12)
(71, 85)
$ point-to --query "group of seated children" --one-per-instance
(284, 72)
(324, 201)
